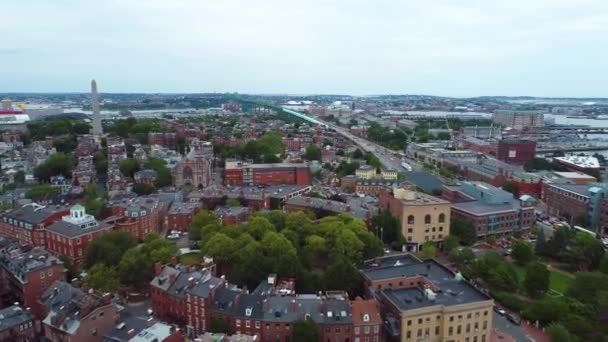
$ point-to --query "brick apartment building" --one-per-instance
(28, 224)
(232, 215)
(193, 297)
(425, 301)
(569, 201)
(74, 315)
(25, 273)
(491, 210)
(423, 217)
(239, 173)
(17, 325)
(179, 217)
(71, 235)
(139, 216)
(164, 139)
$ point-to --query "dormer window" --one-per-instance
(366, 318)
(248, 312)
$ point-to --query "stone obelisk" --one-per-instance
(97, 129)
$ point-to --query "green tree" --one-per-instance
(463, 256)
(128, 167)
(136, 267)
(450, 243)
(536, 282)
(101, 162)
(387, 226)
(586, 286)
(40, 192)
(604, 264)
(558, 333)
(220, 247)
(586, 250)
(428, 251)
(523, 252)
(56, 164)
(357, 154)
(163, 174)
(143, 189)
(233, 202)
(512, 188)
(200, 220)
(464, 230)
(313, 152)
(103, 278)
(306, 331)
(108, 249)
(341, 274)
(19, 177)
(218, 325)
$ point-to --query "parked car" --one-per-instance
(513, 318)
(499, 310)
(173, 236)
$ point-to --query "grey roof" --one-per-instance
(73, 230)
(424, 180)
(21, 260)
(13, 316)
(33, 213)
(329, 206)
(451, 290)
(183, 207)
(59, 294)
(582, 190)
(133, 317)
(202, 280)
(221, 211)
(248, 192)
(481, 208)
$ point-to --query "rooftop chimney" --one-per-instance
(131, 333)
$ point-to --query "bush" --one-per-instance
(509, 301)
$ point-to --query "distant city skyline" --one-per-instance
(461, 48)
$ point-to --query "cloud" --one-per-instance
(443, 47)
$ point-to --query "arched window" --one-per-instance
(441, 218)
(427, 219)
(410, 219)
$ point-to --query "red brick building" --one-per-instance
(239, 173)
(179, 217)
(74, 315)
(28, 224)
(194, 297)
(232, 215)
(71, 235)
(516, 151)
(139, 216)
(17, 325)
(25, 273)
(164, 139)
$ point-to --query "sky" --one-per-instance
(461, 48)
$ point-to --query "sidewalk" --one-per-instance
(537, 334)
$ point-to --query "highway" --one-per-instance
(388, 158)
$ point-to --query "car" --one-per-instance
(513, 318)
(499, 310)
(173, 236)
(387, 251)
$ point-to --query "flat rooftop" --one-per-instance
(580, 161)
(450, 288)
(481, 208)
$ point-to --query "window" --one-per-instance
(451, 331)
(49, 273)
(42, 275)
(238, 322)
(409, 322)
(419, 320)
(409, 334)
(427, 219)
(441, 218)
(410, 219)
(247, 324)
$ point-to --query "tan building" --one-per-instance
(423, 217)
(365, 172)
(389, 174)
(425, 301)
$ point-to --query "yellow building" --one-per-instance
(366, 172)
(425, 301)
(389, 174)
(423, 217)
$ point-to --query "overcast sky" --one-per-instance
(437, 47)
